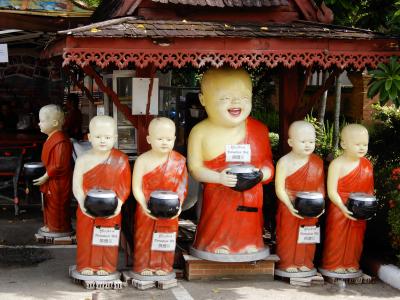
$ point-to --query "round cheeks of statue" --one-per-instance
(102, 135)
(302, 139)
(161, 136)
(226, 96)
(355, 142)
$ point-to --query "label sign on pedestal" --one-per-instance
(163, 241)
(238, 153)
(105, 236)
(309, 235)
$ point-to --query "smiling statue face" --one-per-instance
(102, 133)
(226, 95)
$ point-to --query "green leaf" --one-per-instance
(397, 83)
(383, 97)
(383, 67)
(388, 84)
(374, 88)
(378, 73)
(393, 93)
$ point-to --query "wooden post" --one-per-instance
(144, 120)
(288, 102)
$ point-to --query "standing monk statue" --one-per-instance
(106, 168)
(159, 169)
(231, 222)
(350, 172)
(298, 171)
(56, 183)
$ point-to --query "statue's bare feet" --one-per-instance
(292, 270)
(304, 269)
(146, 272)
(251, 249)
(340, 270)
(161, 273)
(87, 272)
(102, 272)
(222, 250)
(45, 229)
(352, 270)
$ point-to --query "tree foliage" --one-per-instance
(386, 82)
(377, 15)
(90, 3)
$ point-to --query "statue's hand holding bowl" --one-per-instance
(348, 214)
(41, 180)
(227, 179)
(247, 176)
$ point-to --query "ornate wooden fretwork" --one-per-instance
(160, 59)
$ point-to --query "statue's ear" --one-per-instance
(201, 98)
(56, 123)
(290, 142)
(343, 144)
(148, 139)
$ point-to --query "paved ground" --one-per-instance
(49, 279)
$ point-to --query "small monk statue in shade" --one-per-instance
(56, 183)
(298, 171)
(160, 168)
(350, 172)
(102, 167)
(231, 222)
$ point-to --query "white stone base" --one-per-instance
(237, 257)
(282, 273)
(331, 274)
(91, 282)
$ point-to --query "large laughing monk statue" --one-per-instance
(350, 172)
(102, 167)
(231, 222)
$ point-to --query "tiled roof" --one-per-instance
(130, 27)
(227, 3)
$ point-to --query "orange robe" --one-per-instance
(221, 223)
(343, 237)
(172, 176)
(113, 174)
(309, 178)
(57, 191)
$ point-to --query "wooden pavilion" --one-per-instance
(294, 36)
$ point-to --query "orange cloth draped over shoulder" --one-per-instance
(221, 224)
(309, 178)
(344, 237)
(57, 191)
(172, 176)
(112, 174)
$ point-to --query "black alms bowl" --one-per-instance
(362, 205)
(163, 204)
(309, 204)
(247, 177)
(101, 203)
(33, 170)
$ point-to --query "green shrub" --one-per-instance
(384, 149)
(324, 146)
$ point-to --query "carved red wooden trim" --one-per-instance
(307, 58)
